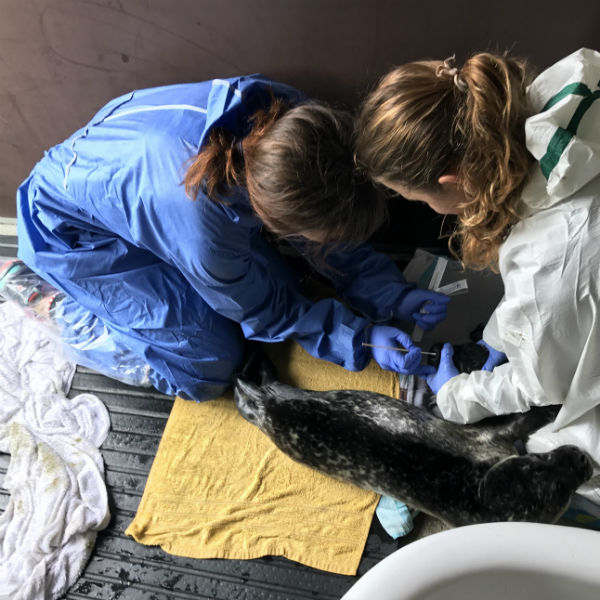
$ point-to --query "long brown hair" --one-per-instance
(426, 119)
(297, 165)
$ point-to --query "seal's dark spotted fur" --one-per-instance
(460, 474)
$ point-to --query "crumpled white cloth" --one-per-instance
(58, 499)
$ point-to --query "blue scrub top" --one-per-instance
(109, 201)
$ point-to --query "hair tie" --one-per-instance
(447, 69)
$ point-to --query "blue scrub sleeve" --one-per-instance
(236, 285)
(214, 246)
(370, 281)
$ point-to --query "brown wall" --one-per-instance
(60, 60)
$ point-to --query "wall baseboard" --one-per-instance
(8, 226)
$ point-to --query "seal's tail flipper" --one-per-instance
(257, 366)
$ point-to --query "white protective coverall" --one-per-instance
(548, 322)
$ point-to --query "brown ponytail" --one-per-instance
(219, 165)
(298, 167)
(425, 120)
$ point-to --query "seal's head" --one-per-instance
(535, 487)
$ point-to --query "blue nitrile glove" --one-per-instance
(494, 359)
(434, 307)
(392, 360)
(446, 369)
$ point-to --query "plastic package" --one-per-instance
(475, 295)
(86, 340)
(19, 284)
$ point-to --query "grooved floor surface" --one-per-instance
(122, 569)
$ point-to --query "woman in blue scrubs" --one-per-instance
(151, 220)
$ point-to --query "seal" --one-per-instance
(461, 474)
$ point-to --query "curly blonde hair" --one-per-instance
(427, 118)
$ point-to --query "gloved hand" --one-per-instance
(393, 360)
(425, 307)
(446, 369)
(494, 359)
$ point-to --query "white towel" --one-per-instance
(58, 499)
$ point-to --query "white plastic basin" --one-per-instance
(492, 561)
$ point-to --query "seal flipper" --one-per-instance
(257, 367)
(249, 385)
(518, 426)
(250, 400)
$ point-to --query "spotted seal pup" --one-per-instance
(459, 474)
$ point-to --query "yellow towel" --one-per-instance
(219, 488)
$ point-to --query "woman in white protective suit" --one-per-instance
(518, 162)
